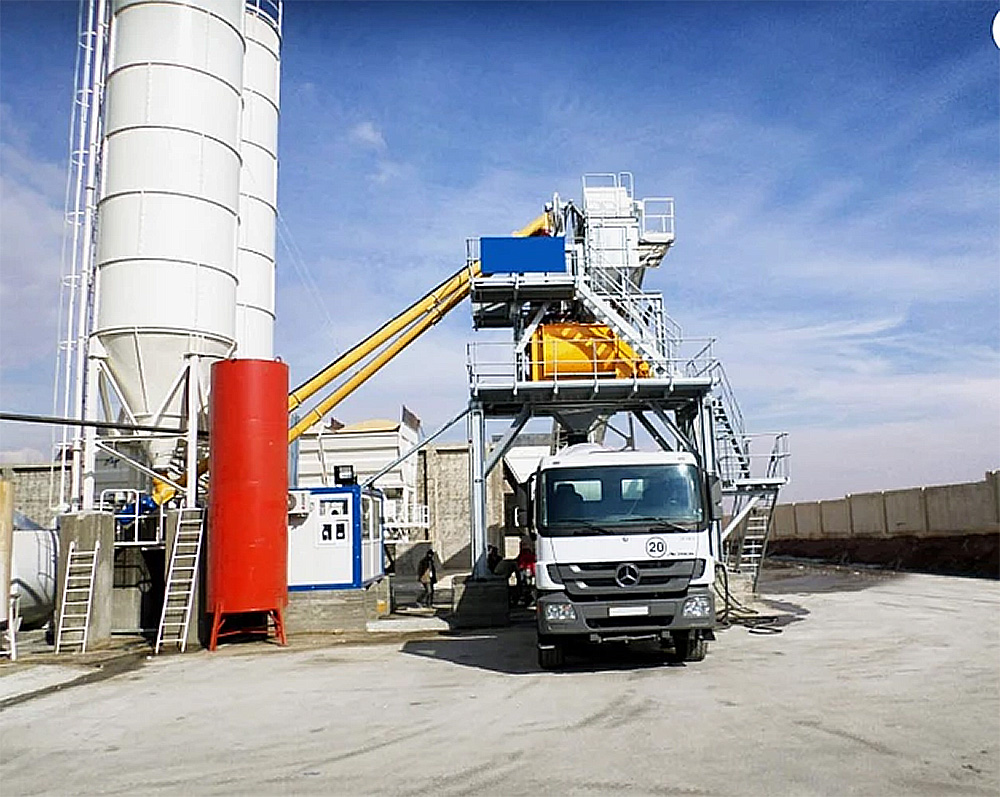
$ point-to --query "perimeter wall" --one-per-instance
(952, 528)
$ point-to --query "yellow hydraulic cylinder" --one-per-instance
(350, 358)
(358, 379)
(441, 294)
(579, 351)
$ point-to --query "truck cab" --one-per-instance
(623, 550)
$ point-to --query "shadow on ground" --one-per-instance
(512, 651)
(791, 576)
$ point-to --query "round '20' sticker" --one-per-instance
(656, 547)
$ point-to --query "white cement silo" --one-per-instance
(258, 181)
(168, 213)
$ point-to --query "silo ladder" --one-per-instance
(182, 577)
(77, 598)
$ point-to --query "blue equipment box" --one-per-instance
(510, 255)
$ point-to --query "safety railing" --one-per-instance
(656, 219)
(642, 310)
(730, 405)
(499, 364)
(138, 520)
(271, 10)
(397, 512)
(765, 458)
(400, 518)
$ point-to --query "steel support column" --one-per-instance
(477, 488)
(191, 493)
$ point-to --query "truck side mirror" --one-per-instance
(714, 496)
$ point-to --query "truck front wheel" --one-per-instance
(689, 645)
(551, 653)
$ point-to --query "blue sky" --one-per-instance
(835, 169)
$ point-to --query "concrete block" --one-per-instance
(479, 603)
(867, 515)
(783, 523)
(905, 511)
(808, 521)
(962, 508)
(87, 528)
(835, 517)
(332, 610)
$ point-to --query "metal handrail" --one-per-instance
(497, 363)
(744, 464)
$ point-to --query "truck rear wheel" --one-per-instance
(689, 645)
(551, 653)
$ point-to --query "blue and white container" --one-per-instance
(334, 538)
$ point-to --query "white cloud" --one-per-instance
(368, 135)
(31, 227)
(23, 456)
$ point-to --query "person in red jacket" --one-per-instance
(525, 572)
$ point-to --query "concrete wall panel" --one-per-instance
(836, 518)
(808, 521)
(867, 514)
(905, 511)
(783, 523)
(962, 508)
(993, 477)
(31, 492)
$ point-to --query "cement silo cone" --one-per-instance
(248, 492)
(168, 212)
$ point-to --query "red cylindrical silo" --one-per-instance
(248, 511)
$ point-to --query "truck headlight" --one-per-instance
(560, 611)
(697, 606)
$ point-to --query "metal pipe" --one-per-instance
(504, 445)
(139, 466)
(412, 451)
(124, 427)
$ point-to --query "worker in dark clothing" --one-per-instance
(427, 576)
(493, 558)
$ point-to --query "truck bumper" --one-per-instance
(624, 619)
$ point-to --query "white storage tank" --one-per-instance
(168, 212)
(258, 181)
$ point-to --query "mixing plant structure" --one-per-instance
(590, 345)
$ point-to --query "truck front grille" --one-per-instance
(656, 579)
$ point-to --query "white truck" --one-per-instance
(625, 550)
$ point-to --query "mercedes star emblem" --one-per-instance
(627, 575)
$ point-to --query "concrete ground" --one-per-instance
(878, 684)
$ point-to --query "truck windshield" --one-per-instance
(639, 498)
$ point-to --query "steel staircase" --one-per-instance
(644, 338)
(77, 599)
(749, 554)
(182, 578)
(753, 509)
(730, 441)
